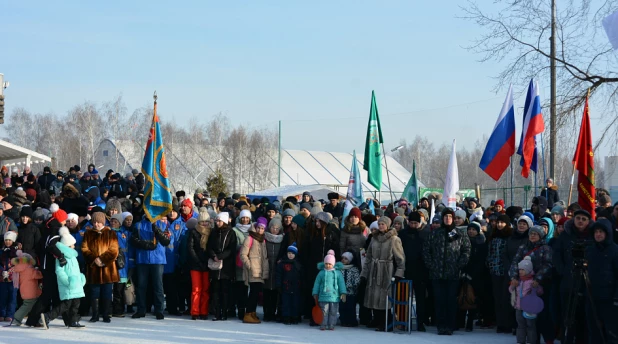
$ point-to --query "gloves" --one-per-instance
(397, 279)
(62, 261)
(343, 296)
(466, 276)
(148, 245)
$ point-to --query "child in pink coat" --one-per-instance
(25, 277)
(526, 323)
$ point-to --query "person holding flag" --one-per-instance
(148, 238)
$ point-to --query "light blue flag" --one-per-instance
(157, 195)
(354, 196)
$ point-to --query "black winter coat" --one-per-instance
(46, 180)
(603, 267)
(289, 276)
(47, 250)
(563, 254)
(319, 247)
(476, 267)
(551, 195)
(412, 241)
(222, 244)
(512, 246)
(29, 237)
(198, 257)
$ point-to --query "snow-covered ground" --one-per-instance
(184, 330)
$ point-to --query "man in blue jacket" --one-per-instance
(174, 283)
(149, 242)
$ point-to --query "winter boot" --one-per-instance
(105, 310)
(95, 310)
(469, 324)
(76, 325)
(249, 319)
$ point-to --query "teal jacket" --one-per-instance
(329, 285)
(70, 280)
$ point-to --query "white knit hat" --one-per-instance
(10, 235)
(65, 237)
(244, 213)
(224, 216)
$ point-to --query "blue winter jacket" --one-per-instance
(70, 280)
(172, 252)
(123, 246)
(156, 256)
(79, 238)
(329, 285)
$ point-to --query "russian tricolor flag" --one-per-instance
(501, 144)
(533, 126)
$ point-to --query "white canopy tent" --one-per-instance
(14, 155)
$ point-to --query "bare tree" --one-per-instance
(517, 32)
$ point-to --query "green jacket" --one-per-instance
(329, 285)
(70, 280)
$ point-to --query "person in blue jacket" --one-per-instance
(328, 289)
(174, 285)
(123, 245)
(149, 241)
(70, 283)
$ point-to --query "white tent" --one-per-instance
(281, 193)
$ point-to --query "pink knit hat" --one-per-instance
(330, 257)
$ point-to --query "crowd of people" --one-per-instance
(79, 246)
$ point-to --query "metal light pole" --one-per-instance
(552, 116)
(279, 161)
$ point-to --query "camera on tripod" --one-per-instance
(578, 252)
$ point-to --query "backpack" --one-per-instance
(238, 260)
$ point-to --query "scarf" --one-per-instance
(187, 217)
(205, 233)
(243, 228)
(258, 237)
(274, 238)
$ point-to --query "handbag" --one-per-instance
(212, 264)
(129, 294)
(466, 298)
(120, 260)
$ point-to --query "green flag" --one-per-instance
(411, 190)
(373, 155)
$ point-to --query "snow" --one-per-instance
(184, 330)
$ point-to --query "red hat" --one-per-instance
(31, 193)
(562, 221)
(355, 212)
(60, 215)
(500, 202)
(187, 203)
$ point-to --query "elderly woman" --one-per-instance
(255, 267)
(274, 238)
(100, 250)
(384, 260)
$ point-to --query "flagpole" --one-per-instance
(571, 186)
(544, 175)
(388, 177)
(512, 201)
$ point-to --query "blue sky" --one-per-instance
(311, 64)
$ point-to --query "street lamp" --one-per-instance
(396, 148)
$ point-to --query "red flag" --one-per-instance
(584, 163)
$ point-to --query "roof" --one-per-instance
(281, 193)
(9, 151)
(298, 168)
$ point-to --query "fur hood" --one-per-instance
(69, 191)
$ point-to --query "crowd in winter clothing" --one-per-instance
(87, 242)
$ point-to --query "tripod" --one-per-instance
(575, 299)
